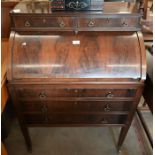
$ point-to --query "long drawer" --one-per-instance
(43, 94)
(74, 119)
(76, 106)
(75, 23)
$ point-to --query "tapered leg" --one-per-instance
(21, 119)
(122, 136)
(26, 136)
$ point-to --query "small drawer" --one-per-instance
(94, 22)
(91, 23)
(77, 106)
(43, 22)
(75, 119)
(89, 106)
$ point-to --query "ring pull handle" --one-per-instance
(27, 24)
(91, 23)
(107, 108)
(109, 95)
(62, 24)
(42, 95)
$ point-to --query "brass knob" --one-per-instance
(109, 95)
(91, 23)
(62, 24)
(107, 108)
(27, 24)
(42, 95)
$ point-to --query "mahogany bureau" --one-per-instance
(76, 68)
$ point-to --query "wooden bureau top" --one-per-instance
(43, 7)
(38, 16)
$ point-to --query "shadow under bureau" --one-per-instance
(75, 70)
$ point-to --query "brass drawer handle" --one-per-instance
(42, 95)
(62, 24)
(107, 108)
(27, 24)
(109, 95)
(91, 23)
(104, 121)
(124, 24)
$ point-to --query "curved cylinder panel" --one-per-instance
(85, 55)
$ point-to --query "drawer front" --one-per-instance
(43, 94)
(75, 119)
(108, 93)
(91, 23)
(71, 23)
(77, 106)
(43, 22)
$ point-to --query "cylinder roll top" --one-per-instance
(85, 55)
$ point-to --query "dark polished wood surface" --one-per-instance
(58, 56)
(89, 78)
